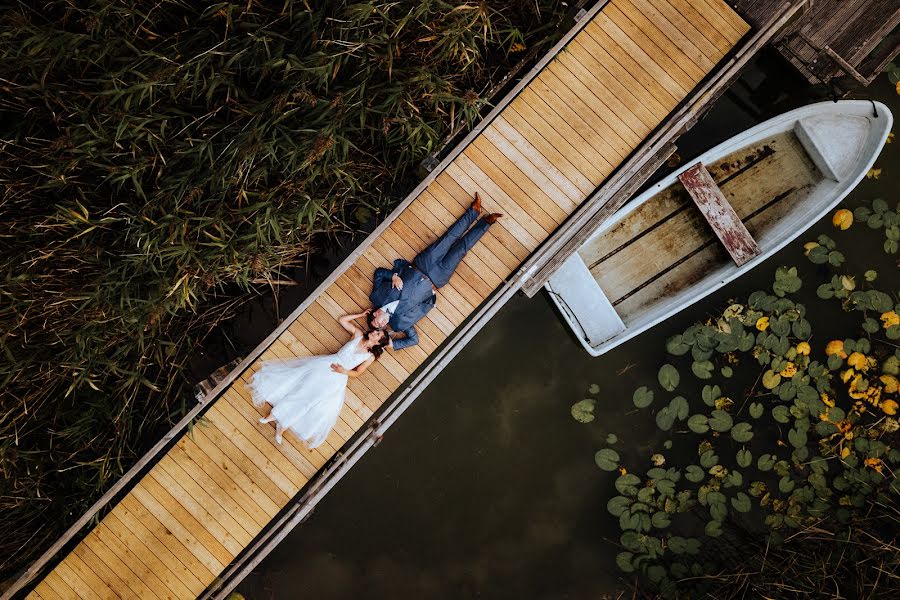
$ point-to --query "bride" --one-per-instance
(307, 393)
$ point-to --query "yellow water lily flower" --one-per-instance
(891, 384)
(789, 370)
(762, 323)
(889, 407)
(845, 452)
(890, 137)
(874, 174)
(842, 219)
(803, 348)
(889, 319)
(835, 347)
(623, 471)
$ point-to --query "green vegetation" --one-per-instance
(778, 477)
(157, 159)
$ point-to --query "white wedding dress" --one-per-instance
(305, 394)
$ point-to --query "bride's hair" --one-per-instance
(378, 349)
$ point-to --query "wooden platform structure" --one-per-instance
(202, 508)
(835, 39)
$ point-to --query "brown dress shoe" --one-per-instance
(476, 204)
(491, 218)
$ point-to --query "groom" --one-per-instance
(406, 293)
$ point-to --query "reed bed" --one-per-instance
(157, 158)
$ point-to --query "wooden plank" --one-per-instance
(243, 443)
(706, 24)
(602, 69)
(162, 547)
(599, 83)
(551, 93)
(110, 578)
(663, 51)
(599, 44)
(170, 509)
(554, 115)
(630, 42)
(139, 553)
(726, 224)
(202, 506)
(92, 587)
(108, 549)
(712, 12)
(241, 416)
(539, 132)
(542, 155)
(527, 210)
(534, 184)
(681, 32)
(227, 458)
(58, 586)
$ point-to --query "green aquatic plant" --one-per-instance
(791, 437)
(162, 161)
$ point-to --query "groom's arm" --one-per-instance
(383, 276)
(411, 339)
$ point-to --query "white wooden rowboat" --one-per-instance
(754, 192)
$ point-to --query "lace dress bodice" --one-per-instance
(351, 355)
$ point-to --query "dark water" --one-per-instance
(486, 487)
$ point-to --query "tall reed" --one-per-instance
(156, 157)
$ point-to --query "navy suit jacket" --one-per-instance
(416, 299)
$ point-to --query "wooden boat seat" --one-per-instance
(578, 293)
(719, 213)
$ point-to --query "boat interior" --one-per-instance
(655, 256)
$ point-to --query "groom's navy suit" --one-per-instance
(431, 269)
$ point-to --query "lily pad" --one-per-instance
(781, 414)
(623, 561)
(643, 397)
(617, 505)
(583, 411)
(694, 474)
(744, 458)
(741, 502)
(742, 432)
(679, 407)
(698, 424)
(771, 379)
(720, 421)
(668, 377)
(756, 409)
(607, 459)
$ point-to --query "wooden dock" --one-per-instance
(835, 39)
(205, 497)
